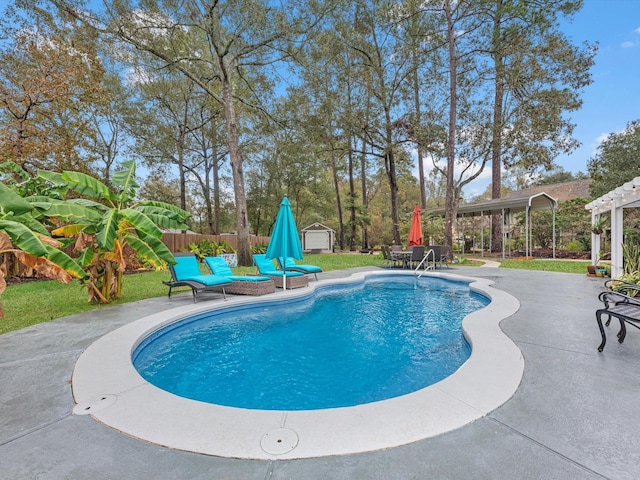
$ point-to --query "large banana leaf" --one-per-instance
(24, 238)
(149, 253)
(86, 256)
(10, 201)
(52, 177)
(107, 234)
(30, 222)
(73, 212)
(89, 204)
(159, 247)
(182, 214)
(87, 185)
(44, 266)
(160, 211)
(126, 179)
(166, 222)
(141, 222)
(69, 230)
(65, 261)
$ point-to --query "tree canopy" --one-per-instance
(617, 160)
(229, 105)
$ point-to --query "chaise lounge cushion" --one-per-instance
(186, 273)
(266, 267)
(187, 269)
(219, 267)
(290, 264)
(293, 279)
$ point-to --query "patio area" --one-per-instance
(573, 417)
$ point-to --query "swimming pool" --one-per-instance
(106, 385)
(343, 346)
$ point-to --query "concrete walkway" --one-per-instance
(487, 262)
(573, 417)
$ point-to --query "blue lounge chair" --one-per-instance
(291, 266)
(266, 267)
(240, 284)
(186, 273)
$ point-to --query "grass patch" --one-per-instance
(565, 266)
(31, 303)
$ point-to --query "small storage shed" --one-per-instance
(318, 238)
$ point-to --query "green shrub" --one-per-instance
(574, 246)
(631, 258)
(208, 248)
(259, 248)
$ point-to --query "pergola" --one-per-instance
(507, 206)
(626, 196)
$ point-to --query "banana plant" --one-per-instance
(23, 235)
(104, 220)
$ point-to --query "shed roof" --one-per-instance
(318, 227)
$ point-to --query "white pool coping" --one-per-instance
(108, 387)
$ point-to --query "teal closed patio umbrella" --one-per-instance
(284, 240)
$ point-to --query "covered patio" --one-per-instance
(507, 207)
(614, 202)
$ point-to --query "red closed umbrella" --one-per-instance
(415, 232)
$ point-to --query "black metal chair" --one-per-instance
(417, 255)
(623, 307)
(386, 256)
(397, 255)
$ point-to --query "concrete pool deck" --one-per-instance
(107, 386)
(574, 415)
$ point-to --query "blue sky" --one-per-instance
(613, 99)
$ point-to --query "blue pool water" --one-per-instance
(344, 345)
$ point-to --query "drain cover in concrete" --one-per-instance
(279, 441)
(87, 408)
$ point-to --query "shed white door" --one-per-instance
(317, 241)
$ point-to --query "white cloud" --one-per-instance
(627, 44)
(637, 30)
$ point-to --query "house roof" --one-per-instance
(560, 191)
(544, 197)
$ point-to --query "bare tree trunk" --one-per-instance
(451, 203)
(352, 198)
(182, 176)
(365, 206)
(418, 126)
(207, 183)
(496, 141)
(242, 222)
(336, 185)
(216, 195)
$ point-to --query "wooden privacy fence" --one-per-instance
(177, 242)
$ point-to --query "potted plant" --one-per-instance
(591, 269)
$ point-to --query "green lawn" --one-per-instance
(31, 303)
(566, 266)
